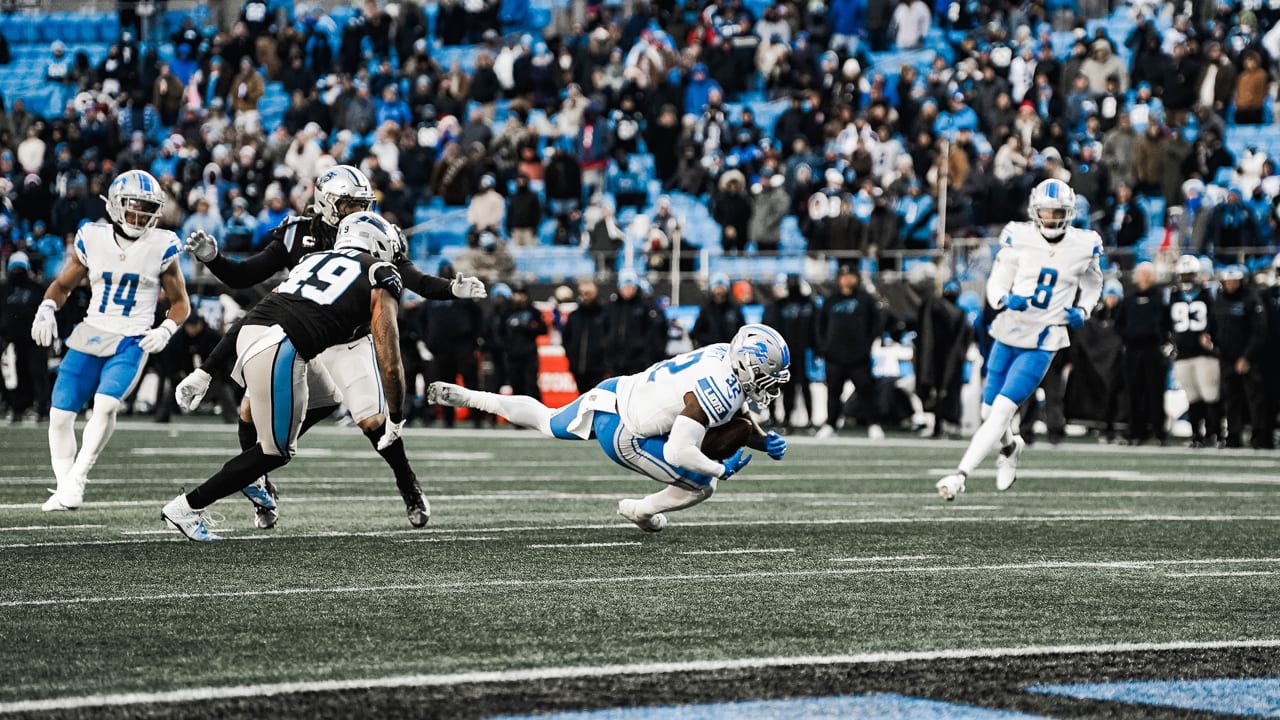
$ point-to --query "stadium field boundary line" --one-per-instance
(626, 579)
(709, 523)
(608, 671)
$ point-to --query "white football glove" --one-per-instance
(468, 288)
(391, 434)
(202, 245)
(191, 390)
(45, 327)
(158, 337)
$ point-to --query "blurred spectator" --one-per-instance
(1147, 153)
(637, 329)
(1242, 330)
(719, 317)
(203, 219)
(584, 336)
(1217, 81)
(58, 68)
(1142, 322)
(180, 358)
(486, 257)
(484, 213)
(794, 314)
(240, 228)
(731, 208)
(942, 342)
(1251, 90)
(912, 19)
(769, 205)
(851, 320)
(1100, 64)
(20, 297)
(452, 330)
(523, 325)
(1128, 226)
(524, 213)
(917, 213)
(1231, 226)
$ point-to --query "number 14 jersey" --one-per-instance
(125, 276)
(325, 299)
(1052, 276)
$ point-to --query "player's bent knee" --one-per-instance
(270, 448)
(371, 423)
(1003, 409)
(61, 419)
(106, 404)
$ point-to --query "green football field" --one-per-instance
(837, 571)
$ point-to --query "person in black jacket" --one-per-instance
(584, 337)
(182, 356)
(20, 297)
(524, 324)
(452, 334)
(637, 329)
(794, 314)
(1128, 226)
(1194, 331)
(1264, 434)
(942, 341)
(524, 213)
(1242, 329)
(719, 317)
(1143, 325)
(850, 321)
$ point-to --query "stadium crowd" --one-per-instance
(860, 157)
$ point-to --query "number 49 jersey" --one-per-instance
(125, 278)
(649, 401)
(325, 299)
(1052, 276)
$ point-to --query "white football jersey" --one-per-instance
(125, 277)
(1052, 276)
(649, 401)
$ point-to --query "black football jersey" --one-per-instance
(302, 236)
(1190, 316)
(325, 299)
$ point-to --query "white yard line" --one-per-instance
(607, 671)
(741, 551)
(1241, 573)
(463, 538)
(541, 546)
(933, 520)
(49, 527)
(623, 580)
(884, 558)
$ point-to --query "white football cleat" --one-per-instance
(447, 394)
(875, 432)
(190, 522)
(1007, 463)
(825, 432)
(68, 496)
(649, 523)
(951, 486)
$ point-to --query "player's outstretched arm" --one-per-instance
(386, 343)
(45, 327)
(252, 270)
(432, 287)
(684, 443)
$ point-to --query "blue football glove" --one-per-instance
(775, 445)
(1016, 302)
(1075, 317)
(734, 463)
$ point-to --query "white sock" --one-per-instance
(519, 409)
(672, 498)
(62, 442)
(993, 429)
(96, 434)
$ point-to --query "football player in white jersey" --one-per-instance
(128, 261)
(654, 422)
(1047, 277)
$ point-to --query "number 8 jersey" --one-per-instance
(325, 299)
(1052, 276)
(125, 278)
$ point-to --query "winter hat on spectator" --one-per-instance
(628, 277)
(19, 260)
(487, 182)
(720, 280)
(500, 290)
(1113, 287)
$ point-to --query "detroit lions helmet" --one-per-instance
(760, 359)
(134, 201)
(341, 191)
(1052, 208)
(368, 232)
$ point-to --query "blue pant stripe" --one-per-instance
(282, 396)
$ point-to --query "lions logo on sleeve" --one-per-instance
(719, 396)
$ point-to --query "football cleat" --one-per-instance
(68, 496)
(190, 522)
(262, 493)
(1007, 463)
(951, 486)
(416, 505)
(647, 523)
(447, 394)
(875, 432)
(825, 432)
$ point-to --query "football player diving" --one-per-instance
(655, 422)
